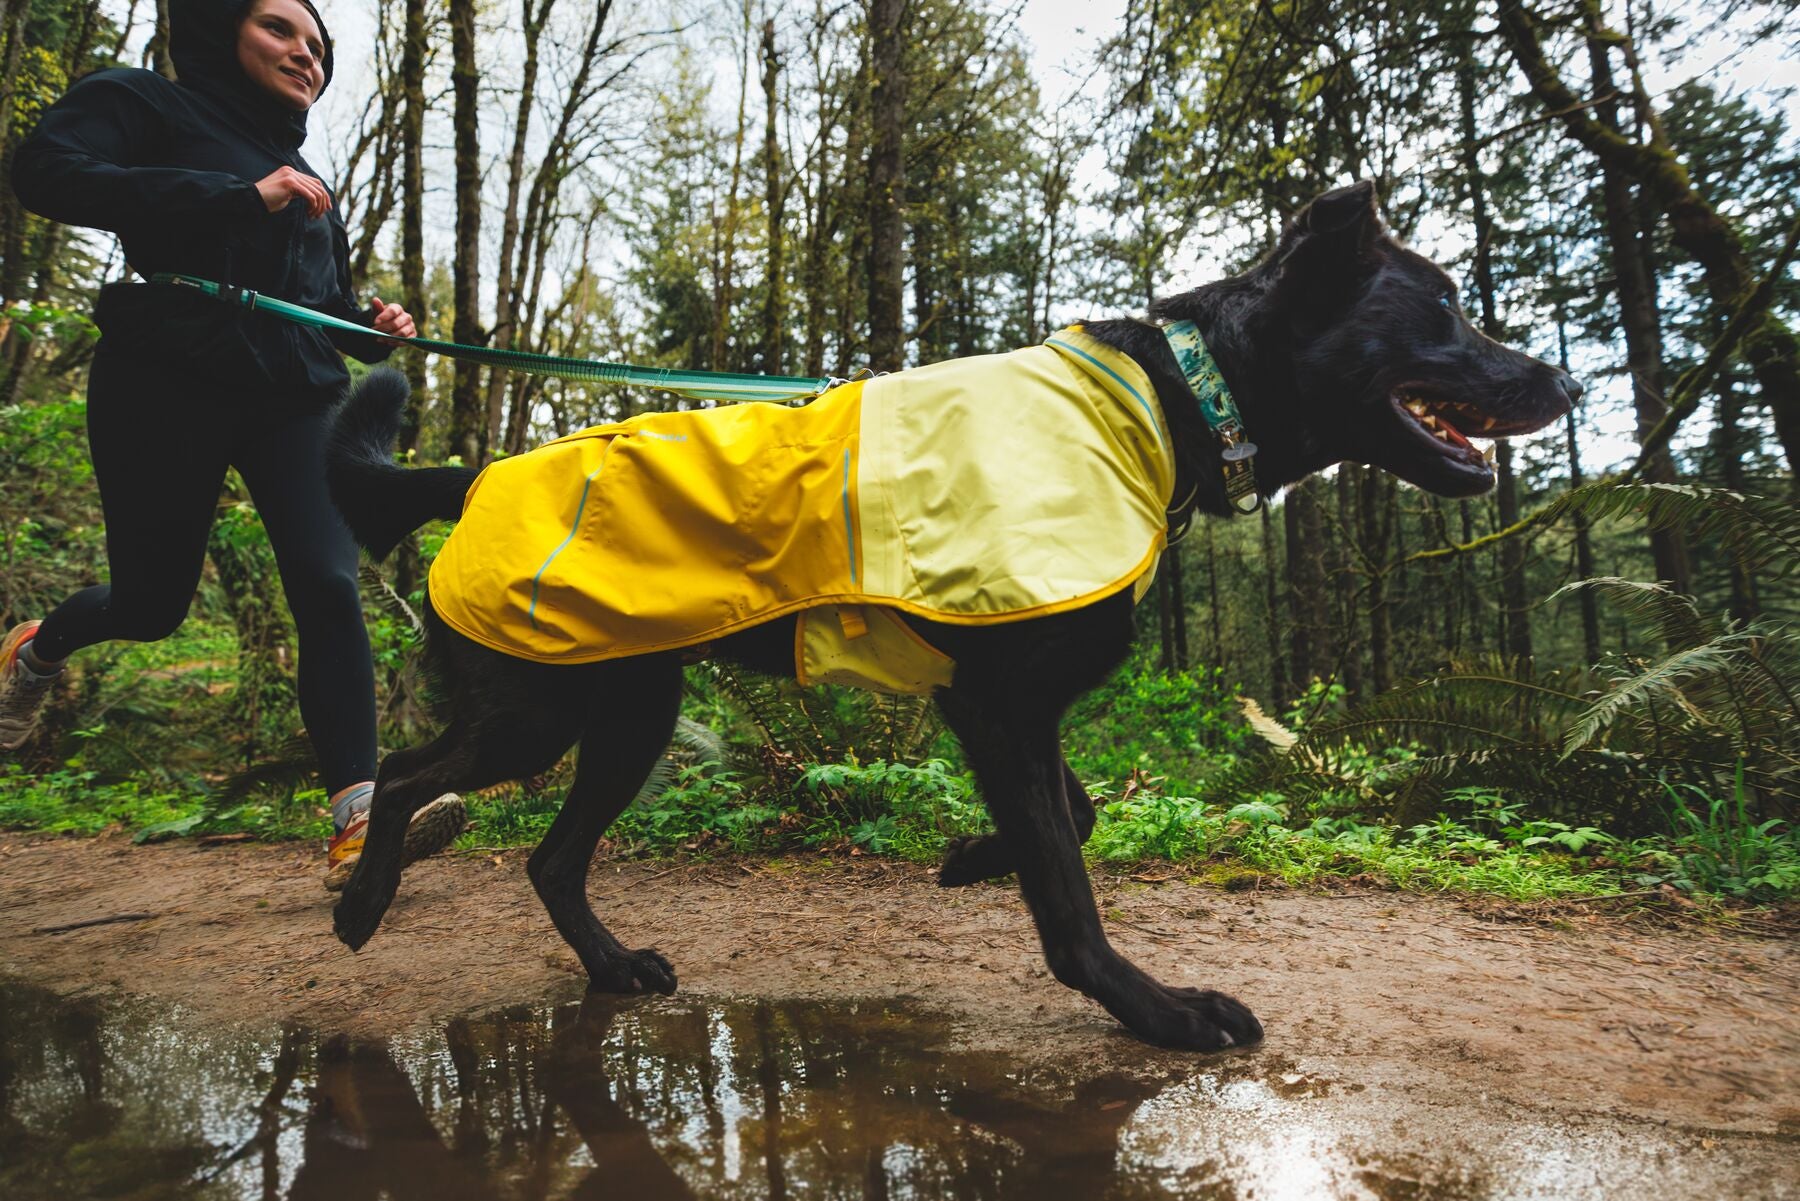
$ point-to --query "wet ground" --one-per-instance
(183, 1024)
(659, 1099)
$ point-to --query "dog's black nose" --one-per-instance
(1571, 386)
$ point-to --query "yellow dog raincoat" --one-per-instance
(973, 491)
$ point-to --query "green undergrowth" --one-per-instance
(911, 812)
(77, 800)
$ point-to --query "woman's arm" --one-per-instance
(370, 349)
(77, 165)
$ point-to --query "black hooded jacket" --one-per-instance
(172, 169)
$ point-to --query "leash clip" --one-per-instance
(1240, 474)
(857, 376)
(1238, 448)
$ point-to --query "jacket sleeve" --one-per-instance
(77, 166)
(344, 304)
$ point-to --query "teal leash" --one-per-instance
(693, 385)
(1220, 411)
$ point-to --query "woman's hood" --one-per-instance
(203, 37)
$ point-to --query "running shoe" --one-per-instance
(22, 691)
(431, 830)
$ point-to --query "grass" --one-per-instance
(73, 801)
(911, 812)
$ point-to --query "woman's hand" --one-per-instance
(392, 319)
(287, 185)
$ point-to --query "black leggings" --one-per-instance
(161, 437)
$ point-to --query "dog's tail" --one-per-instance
(381, 501)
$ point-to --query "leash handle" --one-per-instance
(721, 386)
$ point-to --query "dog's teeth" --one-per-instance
(1487, 423)
(1416, 407)
(1487, 452)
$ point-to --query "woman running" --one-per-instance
(204, 177)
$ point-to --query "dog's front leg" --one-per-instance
(1013, 749)
(988, 857)
(408, 780)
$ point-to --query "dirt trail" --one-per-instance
(1695, 1027)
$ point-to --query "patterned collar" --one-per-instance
(1220, 411)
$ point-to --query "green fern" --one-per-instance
(1762, 533)
(1718, 712)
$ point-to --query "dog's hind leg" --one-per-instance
(628, 727)
(988, 857)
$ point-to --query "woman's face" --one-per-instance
(282, 51)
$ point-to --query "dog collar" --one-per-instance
(1220, 411)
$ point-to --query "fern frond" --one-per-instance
(1662, 680)
(1674, 616)
(289, 767)
(1761, 532)
(387, 598)
(1270, 730)
(697, 743)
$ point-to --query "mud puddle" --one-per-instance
(665, 1098)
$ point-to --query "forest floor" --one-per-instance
(1435, 1016)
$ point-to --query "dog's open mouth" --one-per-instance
(1447, 425)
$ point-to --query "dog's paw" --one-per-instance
(1193, 1019)
(639, 971)
(972, 860)
(355, 924)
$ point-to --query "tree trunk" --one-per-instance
(1746, 606)
(535, 233)
(1635, 281)
(412, 211)
(775, 200)
(852, 280)
(1215, 606)
(1310, 641)
(824, 206)
(1376, 532)
(468, 415)
(1465, 577)
(1584, 552)
(1349, 481)
(13, 218)
(1178, 605)
(886, 198)
(1279, 689)
(505, 300)
(1165, 618)
(1515, 619)
(156, 53)
(725, 232)
(1584, 540)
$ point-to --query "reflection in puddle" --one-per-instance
(669, 1098)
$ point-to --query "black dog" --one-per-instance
(1341, 345)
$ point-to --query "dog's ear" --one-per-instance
(1353, 210)
(1334, 233)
